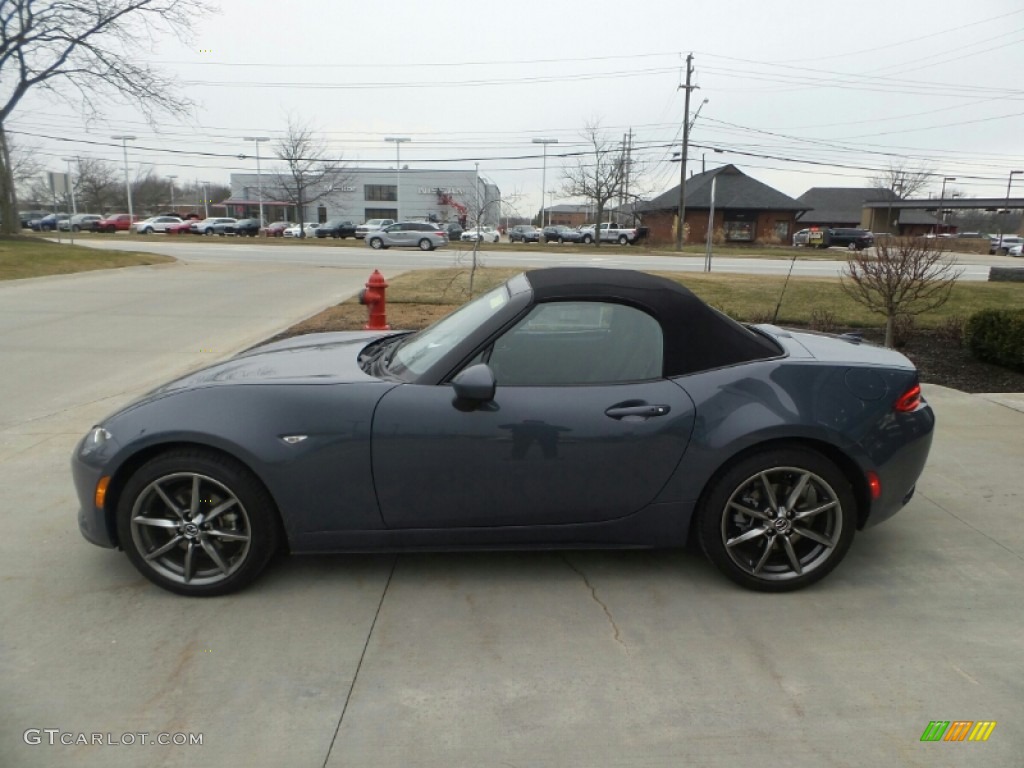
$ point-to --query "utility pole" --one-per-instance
(629, 164)
(681, 229)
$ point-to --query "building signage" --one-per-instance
(446, 190)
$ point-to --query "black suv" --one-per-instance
(337, 228)
(524, 233)
(854, 239)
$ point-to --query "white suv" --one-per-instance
(1008, 241)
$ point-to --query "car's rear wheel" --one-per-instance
(623, 239)
(778, 520)
(852, 247)
(376, 243)
(75, 228)
(197, 523)
(426, 245)
(561, 240)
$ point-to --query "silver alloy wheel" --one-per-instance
(376, 243)
(426, 245)
(191, 529)
(782, 523)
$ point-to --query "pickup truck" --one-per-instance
(611, 233)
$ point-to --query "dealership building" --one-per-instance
(360, 194)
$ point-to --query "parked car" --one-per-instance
(295, 231)
(79, 222)
(801, 237)
(580, 388)
(183, 228)
(337, 228)
(560, 233)
(49, 222)
(524, 233)
(847, 237)
(276, 229)
(208, 226)
(27, 217)
(483, 234)
(373, 225)
(155, 224)
(1002, 244)
(115, 222)
(453, 229)
(408, 234)
(1015, 250)
(247, 227)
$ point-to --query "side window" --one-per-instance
(573, 343)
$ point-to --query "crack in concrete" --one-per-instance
(953, 514)
(593, 594)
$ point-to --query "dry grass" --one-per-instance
(415, 299)
(22, 257)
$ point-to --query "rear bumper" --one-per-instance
(901, 468)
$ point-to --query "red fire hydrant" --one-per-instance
(373, 297)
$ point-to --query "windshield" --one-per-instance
(420, 351)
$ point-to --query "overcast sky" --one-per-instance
(800, 93)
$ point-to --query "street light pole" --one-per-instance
(399, 140)
(127, 185)
(681, 229)
(942, 196)
(172, 177)
(544, 181)
(206, 197)
(71, 187)
(259, 176)
(1009, 181)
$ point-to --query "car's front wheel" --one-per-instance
(197, 523)
(376, 243)
(778, 520)
(587, 239)
(426, 245)
(852, 247)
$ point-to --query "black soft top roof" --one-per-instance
(696, 337)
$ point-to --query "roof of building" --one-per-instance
(570, 208)
(733, 190)
(844, 205)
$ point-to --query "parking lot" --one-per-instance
(490, 659)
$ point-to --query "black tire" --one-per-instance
(623, 240)
(853, 247)
(426, 245)
(147, 231)
(561, 240)
(376, 243)
(75, 228)
(587, 239)
(244, 536)
(763, 546)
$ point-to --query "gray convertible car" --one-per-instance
(566, 408)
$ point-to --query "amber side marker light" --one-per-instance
(101, 491)
(909, 400)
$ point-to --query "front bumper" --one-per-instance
(94, 523)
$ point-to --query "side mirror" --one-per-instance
(475, 383)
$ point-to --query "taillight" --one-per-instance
(909, 400)
(874, 485)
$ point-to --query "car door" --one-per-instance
(582, 428)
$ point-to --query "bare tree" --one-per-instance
(25, 165)
(310, 174)
(597, 175)
(98, 186)
(905, 277)
(902, 180)
(78, 48)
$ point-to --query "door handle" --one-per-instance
(637, 412)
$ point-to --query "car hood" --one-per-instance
(325, 358)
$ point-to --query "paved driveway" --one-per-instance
(547, 659)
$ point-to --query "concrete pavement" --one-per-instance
(539, 659)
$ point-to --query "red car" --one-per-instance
(115, 222)
(179, 229)
(276, 229)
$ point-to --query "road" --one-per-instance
(197, 249)
(490, 659)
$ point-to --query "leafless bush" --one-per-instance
(760, 316)
(718, 237)
(823, 320)
(905, 277)
(951, 330)
(903, 329)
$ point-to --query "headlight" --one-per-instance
(95, 439)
